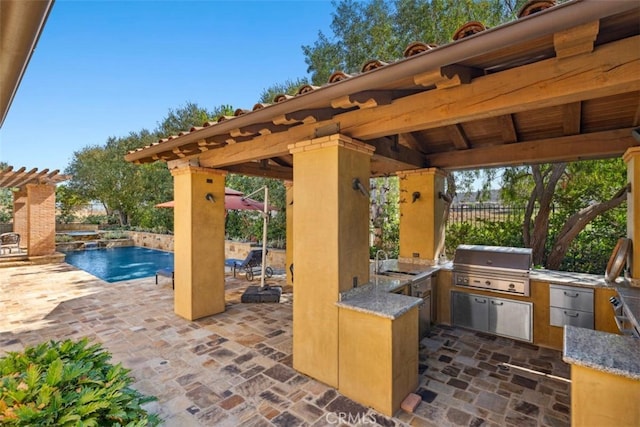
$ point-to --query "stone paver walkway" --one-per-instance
(235, 368)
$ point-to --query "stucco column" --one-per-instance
(331, 253)
(199, 241)
(289, 230)
(632, 159)
(20, 216)
(422, 211)
(41, 219)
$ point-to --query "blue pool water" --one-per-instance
(117, 264)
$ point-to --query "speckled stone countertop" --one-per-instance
(377, 297)
(569, 278)
(610, 353)
(381, 304)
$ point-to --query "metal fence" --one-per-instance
(482, 213)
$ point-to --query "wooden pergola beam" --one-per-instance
(609, 70)
(568, 148)
(257, 169)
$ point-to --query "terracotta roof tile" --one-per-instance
(338, 76)
(282, 97)
(306, 88)
(535, 6)
(417, 47)
(469, 29)
(373, 64)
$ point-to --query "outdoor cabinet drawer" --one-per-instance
(571, 298)
(564, 316)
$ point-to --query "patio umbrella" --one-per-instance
(233, 200)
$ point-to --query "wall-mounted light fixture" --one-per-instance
(445, 197)
(210, 198)
(357, 185)
(415, 196)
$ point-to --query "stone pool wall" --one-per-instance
(276, 258)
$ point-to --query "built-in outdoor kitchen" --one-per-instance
(592, 319)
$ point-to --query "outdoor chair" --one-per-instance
(249, 264)
(167, 272)
(9, 241)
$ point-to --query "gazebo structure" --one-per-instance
(561, 83)
(34, 210)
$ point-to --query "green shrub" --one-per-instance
(115, 234)
(68, 384)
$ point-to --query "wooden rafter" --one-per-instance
(255, 169)
(457, 136)
(304, 116)
(365, 99)
(576, 147)
(508, 129)
(576, 41)
(410, 140)
(448, 76)
(571, 115)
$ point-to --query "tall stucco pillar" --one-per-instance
(199, 241)
(331, 252)
(632, 159)
(20, 217)
(422, 211)
(41, 219)
(289, 230)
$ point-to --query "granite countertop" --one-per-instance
(381, 303)
(570, 278)
(610, 353)
(377, 297)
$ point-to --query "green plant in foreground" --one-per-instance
(69, 383)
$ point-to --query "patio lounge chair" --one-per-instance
(9, 241)
(251, 262)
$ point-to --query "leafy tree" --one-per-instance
(68, 202)
(378, 29)
(580, 192)
(6, 200)
(289, 87)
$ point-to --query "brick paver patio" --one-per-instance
(235, 368)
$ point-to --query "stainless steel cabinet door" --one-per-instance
(470, 311)
(510, 318)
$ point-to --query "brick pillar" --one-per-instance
(41, 219)
(20, 216)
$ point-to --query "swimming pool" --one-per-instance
(117, 264)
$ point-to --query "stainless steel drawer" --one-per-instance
(570, 297)
(563, 316)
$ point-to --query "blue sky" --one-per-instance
(107, 68)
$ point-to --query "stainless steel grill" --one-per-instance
(493, 268)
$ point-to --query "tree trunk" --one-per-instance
(545, 192)
(576, 223)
